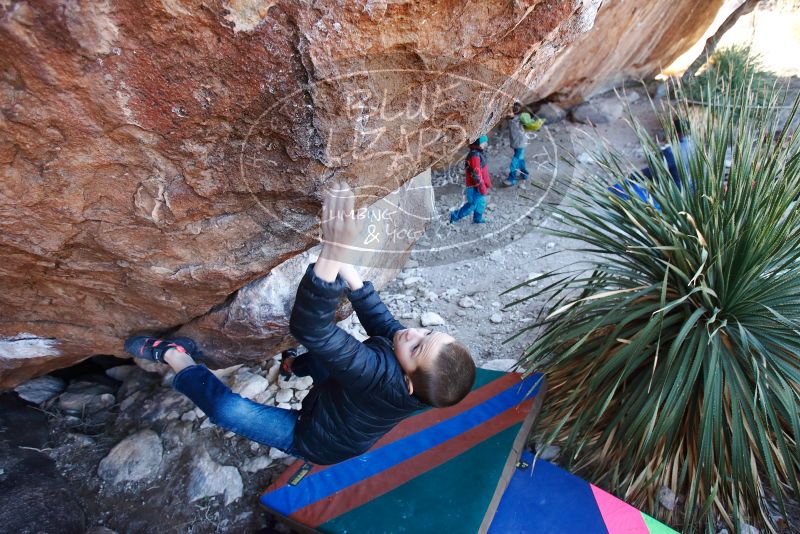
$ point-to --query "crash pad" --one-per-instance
(542, 498)
(441, 471)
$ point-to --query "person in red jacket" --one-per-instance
(477, 181)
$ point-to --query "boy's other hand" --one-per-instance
(351, 277)
(339, 224)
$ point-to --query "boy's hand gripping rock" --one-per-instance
(340, 226)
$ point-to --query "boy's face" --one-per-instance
(416, 347)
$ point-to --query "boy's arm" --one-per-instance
(327, 269)
(348, 360)
(475, 167)
(375, 317)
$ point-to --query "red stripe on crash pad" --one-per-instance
(437, 415)
(416, 423)
(356, 495)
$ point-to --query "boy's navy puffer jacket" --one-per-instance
(365, 395)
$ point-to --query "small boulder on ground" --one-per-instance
(121, 372)
(466, 302)
(207, 478)
(79, 403)
(165, 404)
(254, 465)
(597, 112)
(667, 498)
(277, 454)
(431, 319)
(284, 395)
(40, 389)
(302, 382)
(274, 371)
(137, 457)
(412, 280)
(249, 385)
(551, 113)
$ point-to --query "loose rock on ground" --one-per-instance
(137, 457)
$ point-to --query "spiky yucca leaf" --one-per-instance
(733, 67)
(674, 358)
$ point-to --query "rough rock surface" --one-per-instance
(630, 40)
(431, 319)
(137, 457)
(40, 389)
(597, 113)
(552, 113)
(208, 479)
(158, 157)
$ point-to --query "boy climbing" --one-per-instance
(518, 141)
(361, 390)
(478, 183)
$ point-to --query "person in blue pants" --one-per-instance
(518, 141)
(477, 182)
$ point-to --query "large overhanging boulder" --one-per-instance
(630, 40)
(159, 156)
(163, 162)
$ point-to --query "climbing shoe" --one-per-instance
(287, 357)
(153, 348)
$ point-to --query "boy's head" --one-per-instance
(440, 370)
(480, 142)
(516, 108)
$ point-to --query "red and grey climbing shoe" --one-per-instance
(287, 357)
(153, 348)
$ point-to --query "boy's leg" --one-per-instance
(467, 208)
(480, 207)
(519, 154)
(512, 170)
(265, 424)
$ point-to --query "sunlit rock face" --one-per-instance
(630, 40)
(158, 157)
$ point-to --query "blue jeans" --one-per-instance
(475, 203)
(265, 424)
(517, 164)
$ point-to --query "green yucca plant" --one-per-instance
(673, 357)
(732, 68)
